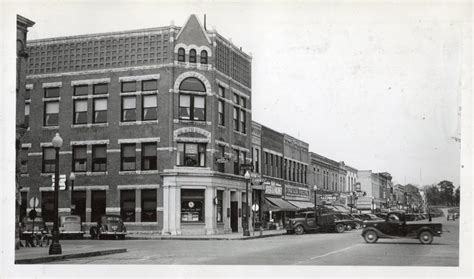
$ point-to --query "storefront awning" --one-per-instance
(302, 204)
(281, 204)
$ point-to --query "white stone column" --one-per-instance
(166, 210)
(176, 210)
(210, 210)
(250, 220)
(226, 205)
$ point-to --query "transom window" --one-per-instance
(51, 92)
(129, 86)
(149, 85)
(191, 154)
(80, 90)
(102, 88)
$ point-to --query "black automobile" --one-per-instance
(110, 226)
(354, 222)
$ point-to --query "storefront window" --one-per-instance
(149, 205)
(127, 205)
(220, 212)
(192, 206)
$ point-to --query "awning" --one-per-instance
(281, 204)
(302, 204)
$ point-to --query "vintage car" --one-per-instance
(395, 225)
(109, 226)
(70, 226)
(354, 223)
(305, 222)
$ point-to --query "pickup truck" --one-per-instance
(305, 222)
(395, 225)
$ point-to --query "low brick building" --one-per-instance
(155, 124)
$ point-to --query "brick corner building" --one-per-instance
(155, 123)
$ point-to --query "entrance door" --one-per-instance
(97, 204)
(234, 216)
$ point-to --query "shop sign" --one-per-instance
(256, 178)
(272, 188)
(222, 160)
(62, 181)
(295, 192)
(328, 198)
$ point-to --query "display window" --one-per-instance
(192, 206)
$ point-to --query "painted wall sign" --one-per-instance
(296, 192)
(272, 188)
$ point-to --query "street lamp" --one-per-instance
(72, 177)
(373, 205)
(246, 227)
(55, 247)
(315, 188)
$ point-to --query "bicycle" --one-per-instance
(39, 240)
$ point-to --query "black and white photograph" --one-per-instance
(230, 139)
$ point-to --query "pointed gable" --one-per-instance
(193, 33)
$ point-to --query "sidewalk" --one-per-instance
(231, 236)
(41, 254)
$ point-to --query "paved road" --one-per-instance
(347, 248)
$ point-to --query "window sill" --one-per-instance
(51, 127)
(46, 174)
(240, 133)
(132, 123)
(137, 93)
(220, 126)
(138, 172)
(195, 122)
(24, 175)
(51, 99)
(91, 173)
(90, 125)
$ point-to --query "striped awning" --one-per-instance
(302, 204)
(280, 204)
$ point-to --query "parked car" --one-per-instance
(70, 226)
(305, 222)
(395, 226)
(109, 226)
(353, 223)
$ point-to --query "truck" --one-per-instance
(395, 225)
(305, 221)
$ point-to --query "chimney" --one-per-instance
(205, 28)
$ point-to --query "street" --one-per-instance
(346, 248)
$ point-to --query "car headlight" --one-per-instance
(364, 225)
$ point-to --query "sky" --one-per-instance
(377, 86)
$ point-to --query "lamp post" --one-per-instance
(55, 247)
(373, 205)
(72, 177)
(246, 227)
(315, 188)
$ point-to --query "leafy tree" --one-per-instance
(457, 196)
(447, 192)
(433, 196)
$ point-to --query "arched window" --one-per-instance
(192, 56)
(203, 57)
(192, 101)
(181, 54)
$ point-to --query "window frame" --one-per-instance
(203, 58)
(153, 159)
(79, 160)
(149, 81)
(94, 110)
(77, 114)
(144, 109)
(98, 85)
(81, 86)
(51, 163)
(45, 115)
(181, 55)
(122, 110)
(123, 158)
(98, 160)
(192, 107)
(49, 90)
(199, 147)
(192, 56)
(128, 82)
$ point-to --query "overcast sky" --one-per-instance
(375, 86)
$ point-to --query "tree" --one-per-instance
(433, 195)
(447, 192)
(457, 196)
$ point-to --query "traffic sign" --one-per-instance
(34, 202)
(255, 207)
(247, 167)
(32, 214)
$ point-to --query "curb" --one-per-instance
(45, 259)
(201, 238)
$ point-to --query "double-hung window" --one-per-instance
(79, 155)
(191, 154)
(149, 157)
(49, 159)
(236, 162)
(128, 157)
(236, 112)
(192, 100)
(99, 158)
(181, 54)
(27, 115)
(203, 57)
(192, 56)
(80, 111)
(149, 103)
(129, 109)
(100, 110)
(51, 113)
(221, 106)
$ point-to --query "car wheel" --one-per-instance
(425, 237)
(340, 228)
(299, 230)
(357, 226)
(370, 237)
(348, 227)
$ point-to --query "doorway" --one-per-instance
(234, 216)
